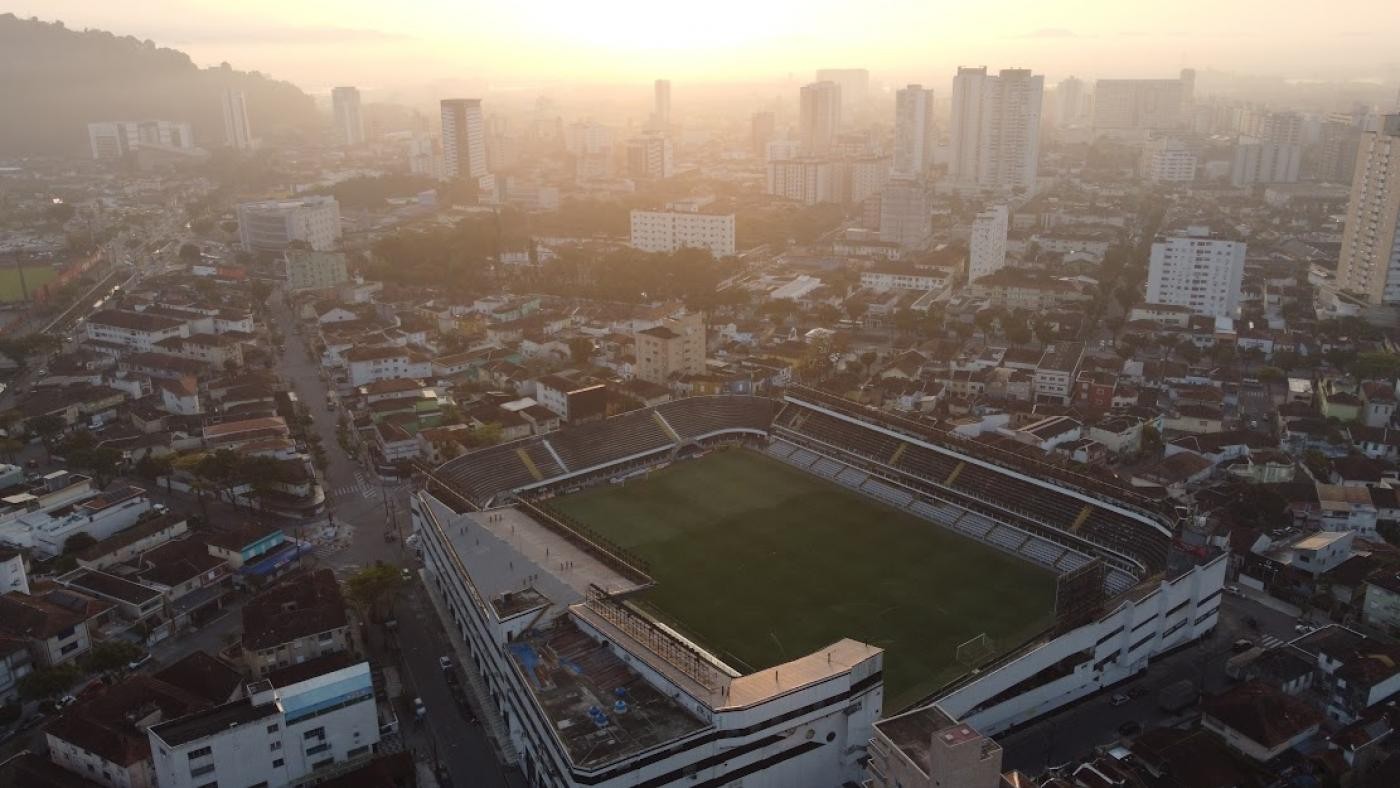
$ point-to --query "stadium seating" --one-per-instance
(612, 440)
(697, 417)
(959, 474)
(480, 475)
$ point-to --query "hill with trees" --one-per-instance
(54, 81)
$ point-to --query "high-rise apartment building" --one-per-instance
(463, 139)
(1262, 161)
(345, 107)
(270, 225)
(808, 180)
(667, 231)
(1370, 261)
(675, 346)
(1168, 160)
(650, 157)
(1135, 105)
(1338, 144)
(996, 129)
(1197, 269)
(905, 216)
(661, 114)
(819, 117)
(854, 84)
(313, 270)
(1070, 102)
(763, 128)
(114, 139)
(238, 134)
(987, 244)
(914, 138)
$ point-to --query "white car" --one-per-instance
(419, 710)
(1119, 699)
(445, 662)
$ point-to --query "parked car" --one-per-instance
(1119, 699)
(445, 662)
(139, 662)
(419, 710)
(1304, 629)
(1242, 645)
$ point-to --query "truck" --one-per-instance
(1177, 696)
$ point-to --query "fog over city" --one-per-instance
(734, 394)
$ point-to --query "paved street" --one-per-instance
(356, 500)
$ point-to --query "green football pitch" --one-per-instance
(762, 563)
(35, 277)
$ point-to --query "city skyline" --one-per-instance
(505, 49)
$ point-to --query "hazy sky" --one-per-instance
(376, 44)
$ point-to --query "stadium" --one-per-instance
(734, 535)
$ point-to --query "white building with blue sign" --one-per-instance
(309, 729)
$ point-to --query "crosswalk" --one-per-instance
(1269, 641)
(364, 488)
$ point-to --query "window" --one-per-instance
(200, 771)
(277, 764)
(275, 746)
(322, 747)
(68, 649)
(201, 752)
(273, 728)
(315, 733)
(322, 764)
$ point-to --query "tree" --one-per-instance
(1318, 465)
(189, 253)
(110, 655)
(48, 427)
(101, 462)
(151, 468)
(580, 350)
(48, 682)
(1151, 439)
(78, 542)
(1271, 374)
(10, 448)
(1377, 364)
(368, 588)
(488, 434)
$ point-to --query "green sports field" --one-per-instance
(35, 276)
(763, 563)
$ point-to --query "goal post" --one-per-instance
(976, 651)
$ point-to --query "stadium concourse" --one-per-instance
(579, 580)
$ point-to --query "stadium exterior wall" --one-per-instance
(1119, 645)
(778, 742)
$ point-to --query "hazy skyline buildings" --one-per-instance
(661, 100)
(819, 117)
(914, 137)
(238, 133)
(995, 134)
(855, 88)
(463, 139)
(345, 110)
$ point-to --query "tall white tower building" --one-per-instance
(996, 129)
(819, 117)
(1197, 269)
(913, 131)
(661, 114)
(1370, 261)
(237, 133)
(1069, 102)
(987, 246)
(345, 106)
(463, 139)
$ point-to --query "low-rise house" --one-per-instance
(53, 625)
(243, 544)
(1347, 508)
(103, 738)
(1260, 721)
(1381, 607)
(129, 543)
(1353, 672)
(296, 619)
